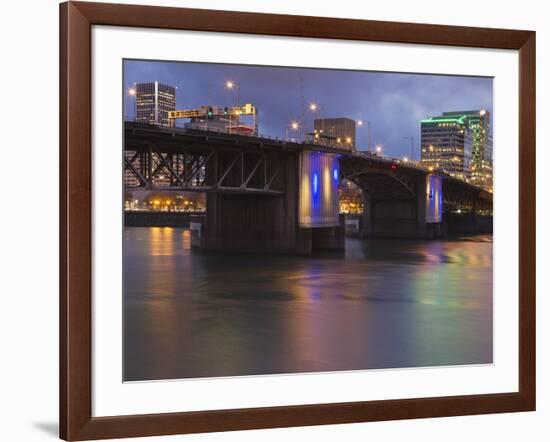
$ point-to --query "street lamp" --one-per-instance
(232, 86)
(412, 146)
(360, 123)
(294, 126)
(313, 108)
(378, 149)
(132, 93)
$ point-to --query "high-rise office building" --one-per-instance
(479, 123)
(446, 145)
(338, 132)
(153, 102)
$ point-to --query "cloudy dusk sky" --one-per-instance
(394, 103)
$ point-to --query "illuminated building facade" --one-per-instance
(153, 102)
(335, 132)
(479, 123)
(350, 197)
(446, 145)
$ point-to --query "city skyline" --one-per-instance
(378, 97)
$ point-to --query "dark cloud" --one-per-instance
(394, 103)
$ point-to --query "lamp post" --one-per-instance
(360, 123)
(412, 146)
(294, 126)
(313, 108)
(132, 93)
(230, 85)
(369, 132)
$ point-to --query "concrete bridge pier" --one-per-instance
(300, 219)
(417, 216)
(249, 222)
(256, 224)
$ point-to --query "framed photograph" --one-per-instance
(274, 220)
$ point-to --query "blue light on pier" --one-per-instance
(315, 184)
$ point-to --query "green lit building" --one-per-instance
(479, 123)
(446, 146)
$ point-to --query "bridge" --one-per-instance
(265, 194)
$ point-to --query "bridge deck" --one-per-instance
(139, 137)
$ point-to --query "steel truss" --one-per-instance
(206, 169)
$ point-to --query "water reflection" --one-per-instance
(385, 304)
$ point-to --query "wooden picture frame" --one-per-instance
(76, 21)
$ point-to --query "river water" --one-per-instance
(384, 304)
